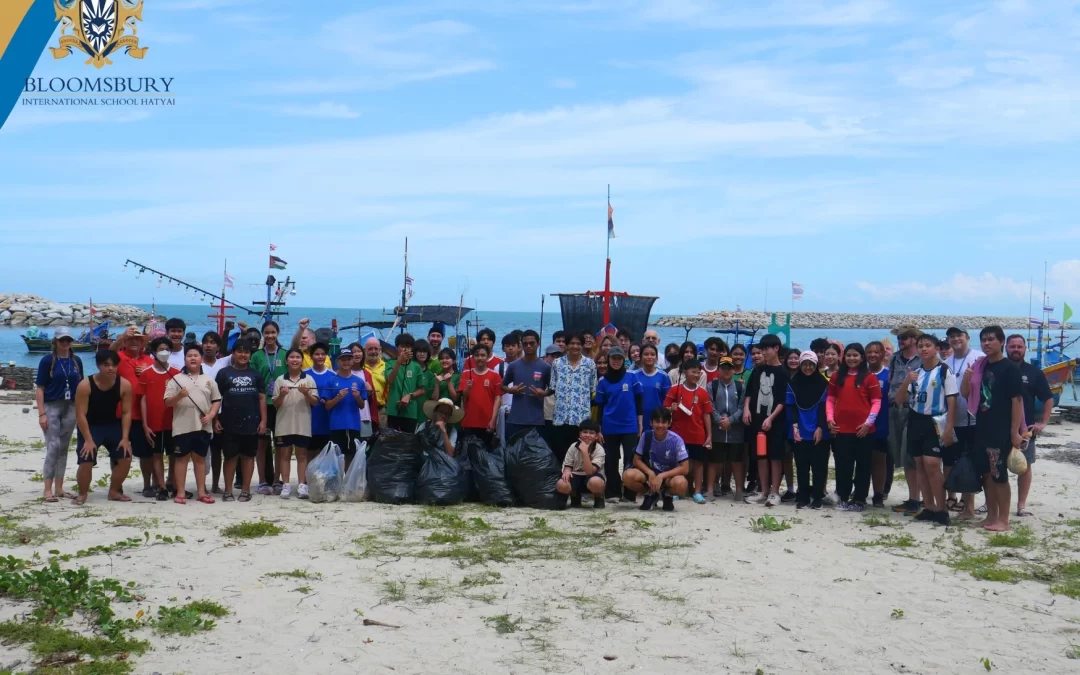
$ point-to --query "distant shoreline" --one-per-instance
(840, 320)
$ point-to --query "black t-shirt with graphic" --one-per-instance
(1034, 386)
(767, 389)
(240, 389)
(993, 422)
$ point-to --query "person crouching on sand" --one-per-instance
(97, 400)
(582, 469)
(661, 464)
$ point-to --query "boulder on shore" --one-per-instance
(23, 310)
(838, 320)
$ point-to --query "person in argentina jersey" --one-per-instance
(931, 392)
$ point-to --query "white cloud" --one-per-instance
(34, 116)
(1063, 281)
(326, 110)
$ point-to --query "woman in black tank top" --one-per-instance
(104, 404)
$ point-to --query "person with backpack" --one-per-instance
(727, 395)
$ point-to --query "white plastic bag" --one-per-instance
(325, 474)
(356, 478)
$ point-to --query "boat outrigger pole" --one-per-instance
(195, 289)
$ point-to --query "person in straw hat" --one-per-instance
(444, 414)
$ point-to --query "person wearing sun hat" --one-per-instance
(58, 375)
(444, 415)
(904, 360)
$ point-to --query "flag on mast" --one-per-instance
(277, 263)
(408, 288)
(796, 291)
(1066, 313)
(229, 281)
(1034, 323)
(1047, 307)
(273, 247)
(92, 310)
(610, 222)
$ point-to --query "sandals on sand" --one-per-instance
(206, 499)
(244, 497)
(951, 503)
(51, 499)
(1024, 513)
(228, 497)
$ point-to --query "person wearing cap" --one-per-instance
(905, 360)
(962, 358)
(944, 350)
(345, 396)
(58, 376)
(134, 360)
(551, 352)
(618, 395)
(435, 338)
(727, 394)
(445, 416)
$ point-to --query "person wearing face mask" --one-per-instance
(156, 420)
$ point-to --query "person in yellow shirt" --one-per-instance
(376, 369)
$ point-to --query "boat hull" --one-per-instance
(45, 346)
(1057, 376)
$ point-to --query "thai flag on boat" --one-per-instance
(1054, 322)
(1047, 307)
(796, 290)
(229, 281)
(1034, 323)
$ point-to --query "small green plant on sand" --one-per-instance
(252, 529)
(503, 623)
(188, 619)
(769, 523)
(889, 541)
(987, 663)
(879, 520)
(897, 614)
(295, 574)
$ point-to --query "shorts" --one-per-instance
(236, 445)
(215, 444)
(898, 439)
(271, 419)
(293, 440)
(697, 452)
(344, 438)
(922, 437)
(725, 452)
(579, 485)
(880, 445)
(992, 461)
(161, 445)
(1029, 451)
(965, 437)
(776, 446)
(317, 444)
(106, 436)
(196, 442)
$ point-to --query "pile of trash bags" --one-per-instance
(404, 468)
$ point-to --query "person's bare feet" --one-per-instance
(80, 500)
(118, 497)
(966, 515)
(996, 527)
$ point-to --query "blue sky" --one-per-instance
(890, 156)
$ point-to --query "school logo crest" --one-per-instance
(98, 29)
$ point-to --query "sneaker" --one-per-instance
(801, 505)
(913, 508)
(559, 501)
(699, 498)
(832, 499)
(925, 514)
(815, 504)
(857, 507)
(761, 498)
(263, 489)
(278, 488)
(718, 491)
(647, 502)
(149, 492)
(575, 501)
(286, 491)
(788, 496)
(598, 503)
(772, 500)
(879, 502)
(903, 506)
(301, 491)
(162, 495)
(669, 503)
(943, 518)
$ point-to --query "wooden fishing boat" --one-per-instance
(97, 338)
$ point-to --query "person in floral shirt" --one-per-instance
(573, 379)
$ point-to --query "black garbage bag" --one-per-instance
(531, 469)
(393, 467)
(488, 471)
(441, 481)
(462, 456)
(964, 478)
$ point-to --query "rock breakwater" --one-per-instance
(33, 310)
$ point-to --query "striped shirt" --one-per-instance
(929, 392)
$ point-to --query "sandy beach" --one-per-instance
(477, 590)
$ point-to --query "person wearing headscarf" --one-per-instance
(808, 429)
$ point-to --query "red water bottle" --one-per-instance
(762, 445)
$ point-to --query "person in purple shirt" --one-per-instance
(528, 379)
(660, 464)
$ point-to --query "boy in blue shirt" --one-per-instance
(660, 464)
(347, 394)
(323, 375)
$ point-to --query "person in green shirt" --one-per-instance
(405, 387)
(448, 379)
(269, 363)
(422, 354)
(435, 339)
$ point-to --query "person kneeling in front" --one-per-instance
(582, 468)
(660, 464)
(98, 400)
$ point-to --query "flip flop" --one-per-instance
(1024, 513)
(981, 509)
(67, 495)
(959, 506)
(78, 501)
(179, 499)
(951, 503)
(244, 497)
(51, 499)
(121, 498)
(206, 499)
(228, 497)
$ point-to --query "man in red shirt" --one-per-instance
(691, 415)
(131, 346)
(481, 395)
(156, 417)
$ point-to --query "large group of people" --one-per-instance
(626, 420)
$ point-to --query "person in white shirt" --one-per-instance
(963, 357)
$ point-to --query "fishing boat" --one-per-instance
(1050, 355)
(592, 311)
(40, 342)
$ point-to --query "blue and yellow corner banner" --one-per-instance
(25, 28)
